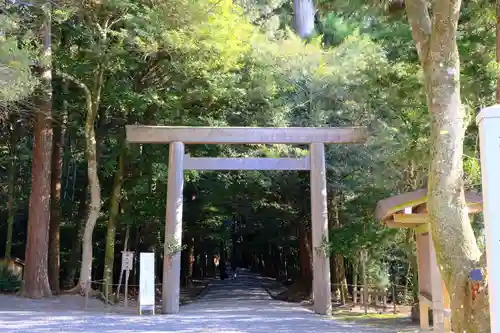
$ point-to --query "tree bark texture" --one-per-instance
(456, 248)
(36, 280)
(340, 277)
(305, 257)
(55, 198)
(76, 248)
(355, 272)
(109, 256)
(11, 189)
(191, 258)
(337, 264)
(93, 100)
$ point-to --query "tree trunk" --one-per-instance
(92, 103)
(438, 52)
(340, 277)
(95, 190)
(337, 260)
(202, 267)
(137, 242)
(55, 199)
(364, 278)
(76, 248)
(355, 272)
(304, 17)
(11, 190)
(278, 265)
(187, 260)
(92, 100)
(305, 258)
(36, 280)
(211, 269)
(196, 262)
(191, 259)
(109, 257)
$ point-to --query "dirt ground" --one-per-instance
(12, 302)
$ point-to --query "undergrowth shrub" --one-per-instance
(10, 282)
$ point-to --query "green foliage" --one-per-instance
(16, 78)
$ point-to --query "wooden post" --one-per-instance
(437, 292)
(127, 274)
(322, 293)
(119, 286)
(447, 309)
(424, 262)
(173, 229)
(424, 315)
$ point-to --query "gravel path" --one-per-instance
(236, 306)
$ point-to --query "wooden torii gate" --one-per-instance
(177, 137)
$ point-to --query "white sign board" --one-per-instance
(127, 260)
(147, 282)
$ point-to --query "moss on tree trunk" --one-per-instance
(109, 256)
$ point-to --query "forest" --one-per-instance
(75, 194)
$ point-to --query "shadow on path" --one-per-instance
(236, 306)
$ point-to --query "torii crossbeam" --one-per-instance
(316, 138)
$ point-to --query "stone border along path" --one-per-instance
(230, 306)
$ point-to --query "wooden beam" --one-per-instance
(209, 163)
(410, 218)
(244, 135)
